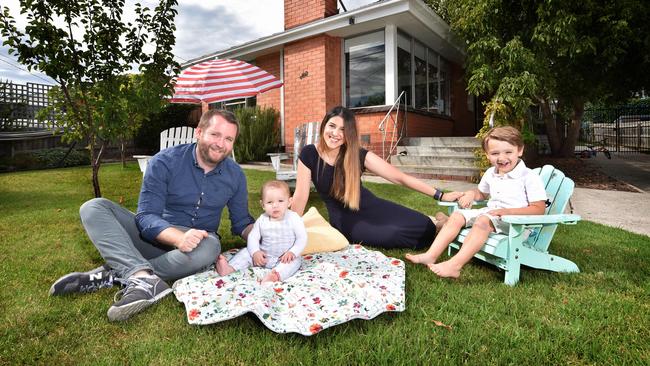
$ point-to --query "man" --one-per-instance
(173, 235)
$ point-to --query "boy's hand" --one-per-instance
(259, 258)
(287, 257)
(451, 196)
(498, 212)
(466, 200)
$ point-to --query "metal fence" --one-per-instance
(19, 104)
(623, 129)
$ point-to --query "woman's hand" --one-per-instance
(466, 200)
(451, 196)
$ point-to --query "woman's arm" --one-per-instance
(378, 166)
(303, 185)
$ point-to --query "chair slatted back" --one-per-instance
(305, 134)
(559, 189)
(176, 136)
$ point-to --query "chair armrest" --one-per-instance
(455, 203)
(541, 219)
(276, 158)
(453, 206)
(142, 161)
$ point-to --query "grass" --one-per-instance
(599, 316)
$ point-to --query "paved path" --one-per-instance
(627, 210)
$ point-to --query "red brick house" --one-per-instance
(363, 59)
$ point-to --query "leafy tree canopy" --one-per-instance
(87, 47)
(558, 55)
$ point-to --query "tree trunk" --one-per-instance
(554, 138)
(123, 152)
(96, 163)
(573, 132)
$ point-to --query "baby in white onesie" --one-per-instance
(276, 240)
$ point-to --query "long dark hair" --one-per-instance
(347, 168)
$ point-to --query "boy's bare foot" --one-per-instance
(272, 276)
(445, 269)
(223, 268)
(424, 258)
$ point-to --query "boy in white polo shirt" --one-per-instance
(513, 190)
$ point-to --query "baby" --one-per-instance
(276, 240)
(513, 190)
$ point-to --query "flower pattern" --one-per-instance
(329, 289)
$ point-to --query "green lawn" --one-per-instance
(599, 316)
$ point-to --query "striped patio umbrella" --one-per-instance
(221, 80)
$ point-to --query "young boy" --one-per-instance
(513, 190)
(276, 240)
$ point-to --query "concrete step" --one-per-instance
(456, 160)
(441, 172)
(436, 150)
(441, 141)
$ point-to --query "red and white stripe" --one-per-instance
(221, 80)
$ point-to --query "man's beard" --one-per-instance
(204, 151)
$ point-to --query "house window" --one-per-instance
(432, 71)
(423, 75)
(365, 80)
(233, 104)
(404, 83)
(420, 99)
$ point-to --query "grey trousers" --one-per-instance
(113, 231)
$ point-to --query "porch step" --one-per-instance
(455, 141)
(450, 158)
(460, 160)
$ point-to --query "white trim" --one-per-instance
(344, 97)
(282, 140)
(390, 64)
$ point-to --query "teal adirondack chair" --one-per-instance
(509, 252)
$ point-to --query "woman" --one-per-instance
(335, 166)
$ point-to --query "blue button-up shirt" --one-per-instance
(176, 192)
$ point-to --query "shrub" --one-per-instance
(44, 159)
(258, 134)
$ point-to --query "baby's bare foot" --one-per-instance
(223, 268)
(424, 258)
(445, 269)
(272, 276)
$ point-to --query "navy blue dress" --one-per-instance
(378, 222)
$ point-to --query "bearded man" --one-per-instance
(174, 233)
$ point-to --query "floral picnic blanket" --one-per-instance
(329, 289)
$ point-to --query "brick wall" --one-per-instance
(417, 125)
(298, 12)
(271, 64)
(312, 81)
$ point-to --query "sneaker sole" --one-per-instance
(122, 313)
(53, 291)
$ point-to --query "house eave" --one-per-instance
(412, 16)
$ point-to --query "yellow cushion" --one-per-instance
(321, 236)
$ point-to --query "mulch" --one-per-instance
(583, 174)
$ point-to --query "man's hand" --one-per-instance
(287, 257)
(259, 258)
(191, 239)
